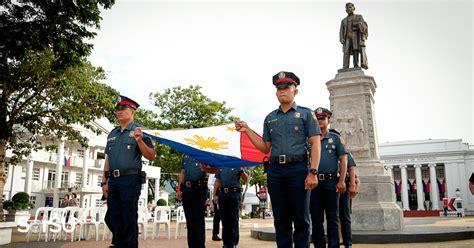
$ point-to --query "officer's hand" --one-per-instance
(179, 195)
(311, 181)
(138, 134)
(105, 190)
(341, 187)
(215, 199)
(352, 191)
(241, 126)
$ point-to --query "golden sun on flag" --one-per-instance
(210, 143)
(231, 128)
(156, 133)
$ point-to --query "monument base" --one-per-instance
(352, 102)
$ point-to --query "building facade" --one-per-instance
(426, 171)
(48, 174)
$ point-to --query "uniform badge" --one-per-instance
(297, 114)
(319, 110)
(296, 128)
(131, 133)
(281, 75)
(128, 147)
(330, 141)
(119, 99)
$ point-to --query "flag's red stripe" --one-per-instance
(248, 151)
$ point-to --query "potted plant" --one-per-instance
(18, 207)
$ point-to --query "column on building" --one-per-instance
(405, 203)
(157, 189)
(434, 194)
(85, 168)
(29, 174)
(389, 170)
(145, 187)
(419, 187)
(59, 172)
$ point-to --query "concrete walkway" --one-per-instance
(245, 240)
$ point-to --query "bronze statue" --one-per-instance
(353, 33)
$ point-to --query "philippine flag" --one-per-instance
(221, 146)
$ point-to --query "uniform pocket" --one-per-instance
(296, 125)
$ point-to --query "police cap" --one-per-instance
(285, 78)
(125, 102)
(320, 111)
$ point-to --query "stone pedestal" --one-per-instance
(352, 103)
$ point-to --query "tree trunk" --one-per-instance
(2, 175)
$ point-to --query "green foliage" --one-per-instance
(161, 202)
(181, 108)
(48, 103)
(20, 201)
(257, 177)
(64, 26)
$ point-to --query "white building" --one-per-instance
(81, 171)
(426, 171)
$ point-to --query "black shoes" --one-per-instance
(215, 237)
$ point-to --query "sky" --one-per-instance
(420, 54)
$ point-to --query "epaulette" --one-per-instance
(332, 130)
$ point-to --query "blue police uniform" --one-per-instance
(194, 190)
(324, 198)
(229, 204)
(125, 162)
(345, 208)
(288, 133)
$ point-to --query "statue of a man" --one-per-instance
(353, 33)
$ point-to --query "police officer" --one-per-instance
(332, 173)
(216, 220)
(122, 170)
(229, 200)
(192, 192)
(345, 199)
(286, 132)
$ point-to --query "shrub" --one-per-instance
(161, 202)
(20, 201)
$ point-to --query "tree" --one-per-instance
(182, 108)
(47, 85)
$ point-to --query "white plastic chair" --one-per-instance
(180, 221)
(143, 220)
(36, 224)
(105, 228)
(72, 222)
(54, 223)
(93, 220)
(162, 216)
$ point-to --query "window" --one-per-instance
(65, 178)
(23, 172)
(36, 174)
(425, 172)
(99, 180)
(80, 153)
(6, 172)
(88, 179)
(78, 178)
(33, 199)
(98, 203)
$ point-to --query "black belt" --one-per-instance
(327, 176)
(190, 184)
(231, 189)
(119, 173)
(284, 159)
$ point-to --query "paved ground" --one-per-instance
(245, 240)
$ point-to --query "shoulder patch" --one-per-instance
(332, 130)
(313, 115)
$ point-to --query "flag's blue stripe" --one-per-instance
(208, 158)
